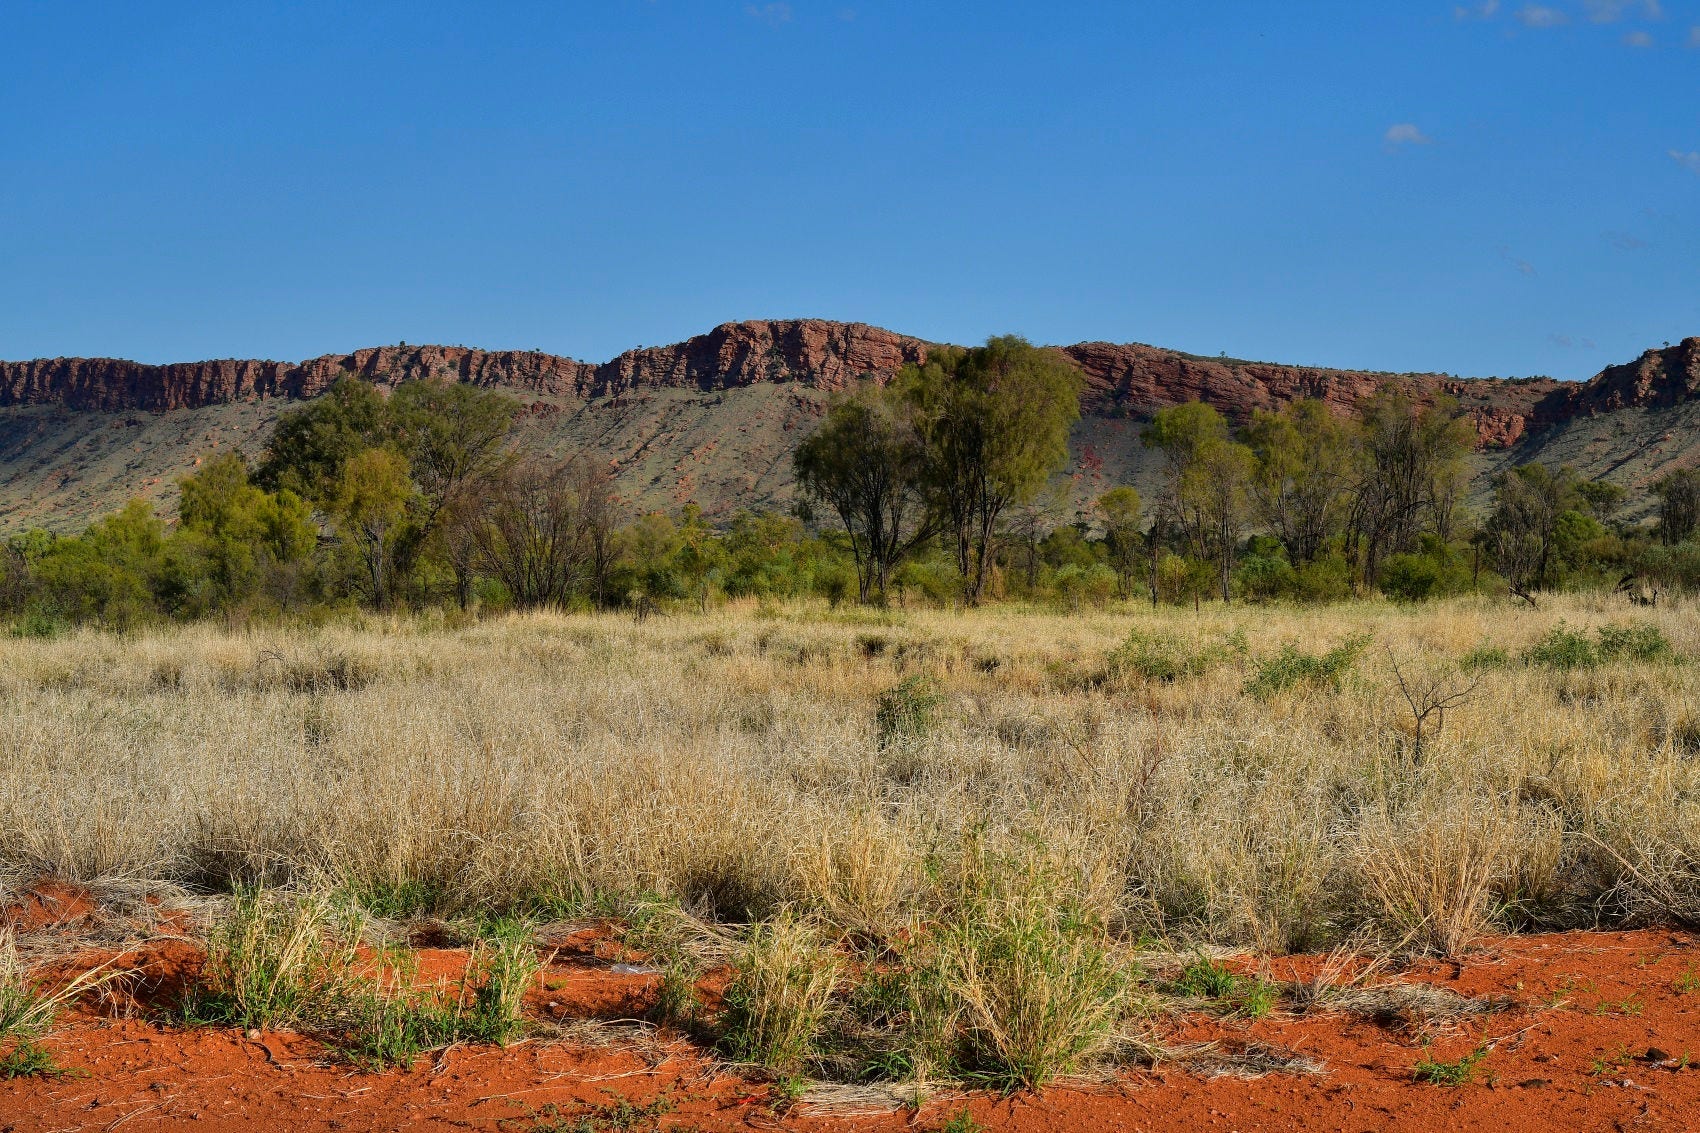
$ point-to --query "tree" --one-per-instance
(244, 535)
(993, 422)
(369, 502)
(453, 437)
(1679, 504)
(1032, 523)
(310, 445)
(1119, 510)
(1413, 468)
(1306, 463)
(864, 464)
(1206, 478)
(1530, 503)
(536, 532)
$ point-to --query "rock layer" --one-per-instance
(1128, 379)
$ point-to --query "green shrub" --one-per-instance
(1484, 657)
(1562, 648)
(907, 712)
(272, 962)
(1165, 657)
(1635, 641)
(1293, 667)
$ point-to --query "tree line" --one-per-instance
(942, 486)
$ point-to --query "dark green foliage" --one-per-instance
(1293, 667)
(1562, 648)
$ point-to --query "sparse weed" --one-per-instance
(777, 1000)
(1155, 656)
(1456, 1073)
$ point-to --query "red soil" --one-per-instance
(1597, 1040)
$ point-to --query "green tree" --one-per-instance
(993, 423)
(864, 464)
(1413, 474)
(1119, 511)
(1207, 476)
(243, 534)
(1306, 465)
(1679, 505)
(310, 445)
(369, 502)
(1531, 504)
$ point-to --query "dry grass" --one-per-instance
(735, 762)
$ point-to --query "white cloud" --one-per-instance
(775, 14)
(1626, 242)
(1486, 10)
(1689, 161)
(1540, 16)
(1405, 134)
(1609, 11)
(1638, 39)
(1694, 36)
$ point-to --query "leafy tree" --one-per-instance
(1414, 471)
(1530, 503)
(1119, 511)
(993, 423)
(864, 464)
(1206, 489)
(536, 535)
(241, 533)
(1679, 504)
(369, 502)
(1306, 465)
(310, 445)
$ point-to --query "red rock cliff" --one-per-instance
(1131, 379)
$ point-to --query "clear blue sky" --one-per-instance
(1481, 189)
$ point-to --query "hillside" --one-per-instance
(714, 418)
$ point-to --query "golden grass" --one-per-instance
(734, 761)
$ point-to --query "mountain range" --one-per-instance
(714, 418)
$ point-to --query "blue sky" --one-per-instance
(1487, 188)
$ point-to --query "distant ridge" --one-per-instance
(714, 418)
(1122, 378)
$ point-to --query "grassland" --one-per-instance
(1000, 807)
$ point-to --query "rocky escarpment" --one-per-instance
(811, 352)
(1122, 379)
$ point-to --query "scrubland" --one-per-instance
(923, 843)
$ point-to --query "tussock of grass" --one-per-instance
(777, 1000)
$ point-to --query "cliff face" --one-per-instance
(1121, 380)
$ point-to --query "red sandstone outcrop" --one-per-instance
(1132, 379)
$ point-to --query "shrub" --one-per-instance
(778, 997)
(1015, 984)
(1484, 657)
(1293, 667)
(1635, 641)
(1164, 657)
(907, 712)
(272, 963)
(1562, 648)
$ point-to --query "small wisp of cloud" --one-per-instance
(1565, 342)
(1541, 16)
(1638, 39)
(1694, 36)
(1626, 242)
(1402, 134)
(771, 14)
(1689, 160)
(1486, 10)
(1610, 11)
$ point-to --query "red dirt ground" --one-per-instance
(1573, 1054)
